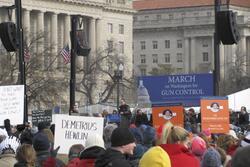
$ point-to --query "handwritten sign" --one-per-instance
(71, 130)
(41, 116)
(12, 104)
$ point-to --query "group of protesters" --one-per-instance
(131, 143)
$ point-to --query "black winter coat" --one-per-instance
(112, 158)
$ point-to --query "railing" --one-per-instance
(174, 22)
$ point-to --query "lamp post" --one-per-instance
(118, 76)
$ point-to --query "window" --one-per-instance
(121, 47)
(158, 17)
(143, 71)
(167, 43)
(135, 18)
(146, 17)
(143, 59)
(110, 28)
(179, 43)
(121, 1)
(167, 58)
(121, 29)
(143, 45)
(179, 57)
(205, 45)
(205, 56)
(155, 44)
(209, 13)
(110, 45)
(171, 16)
(155, 58)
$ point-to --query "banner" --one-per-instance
(12, 104)
(186, 89)
(215, 114)
(41, 116)
(167, 112)
(71, 130)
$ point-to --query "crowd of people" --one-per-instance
(134, 142)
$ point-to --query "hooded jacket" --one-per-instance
(112, 158)
(180, 155)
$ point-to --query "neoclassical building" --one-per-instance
(179, 35)
(102, 21)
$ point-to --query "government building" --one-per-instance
(178, 36)
(47, 26)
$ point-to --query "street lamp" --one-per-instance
(118, 76)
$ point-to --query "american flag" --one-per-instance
(26, 53)
(65, 54)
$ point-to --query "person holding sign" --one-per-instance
(124, 111)
(122, 144)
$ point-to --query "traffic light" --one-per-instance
(8, 36)
(227, 29)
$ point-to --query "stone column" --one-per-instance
(186, 56)
(193, 55)
(67, 29)
(222, 62)
(54, 38)
(92, 36)
(243, 54)
(99, 34)
(40, 35)
(212, 53)
(26, 25)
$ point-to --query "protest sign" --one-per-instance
(71, 130)
(215, 114)
(167, 112)
(41, 116)
(12, 104)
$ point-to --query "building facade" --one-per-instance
(101, 21)
(180, 36)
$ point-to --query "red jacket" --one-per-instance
(180, 156)
(76, 162)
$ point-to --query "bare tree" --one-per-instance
(237, 78)
(101, 69)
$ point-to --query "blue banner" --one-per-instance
(186, 89)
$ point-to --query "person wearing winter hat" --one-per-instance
(122, 144)
(94, 147)
(8, 149)
(155, 157)
(211, 158)
(43, 150)
(241, 157)
(198, 147)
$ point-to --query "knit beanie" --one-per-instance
(155, 157)
(211, 158)
(246, 141)
(41, 142)
(10, 143)
(93, 140)
(241, 157)
(198, 146)
(121, 137)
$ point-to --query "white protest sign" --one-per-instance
(12, 104)
(71, 130)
